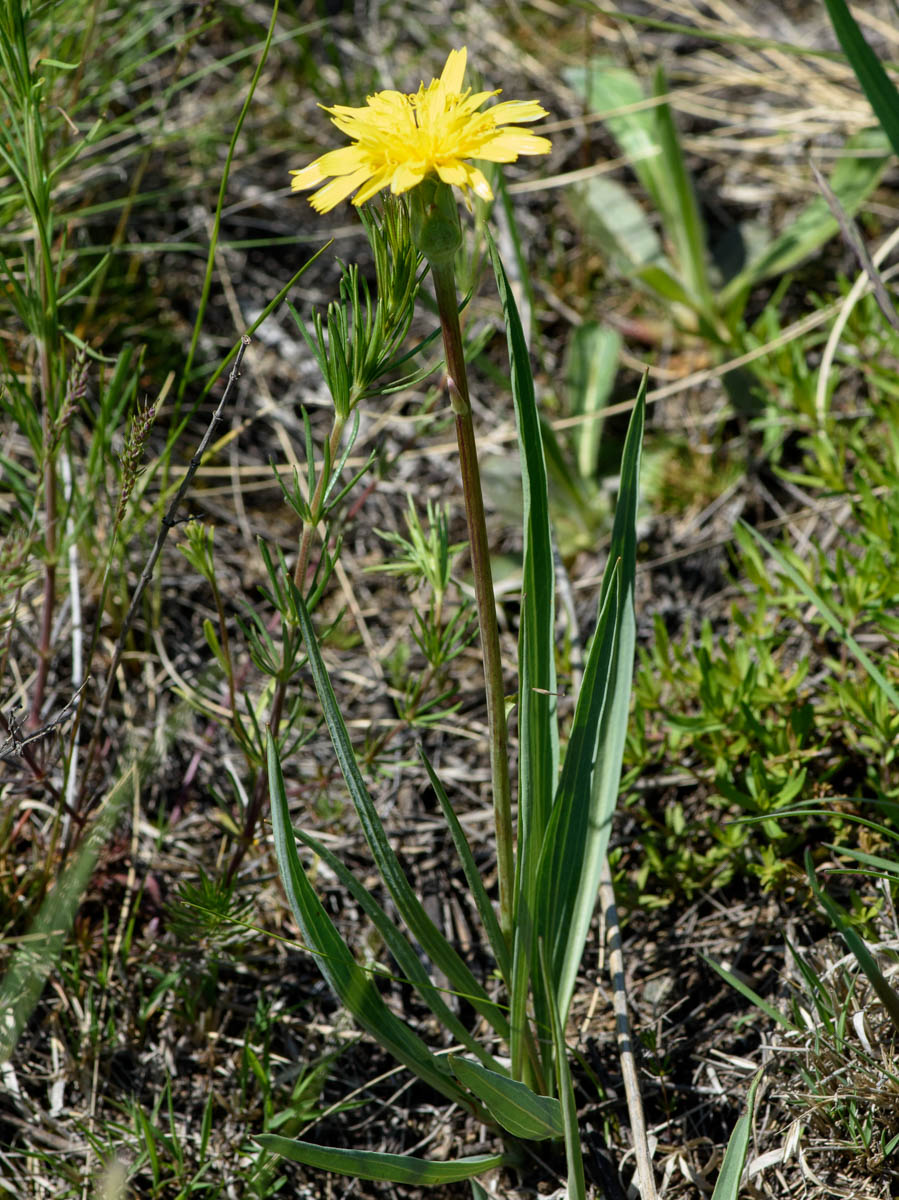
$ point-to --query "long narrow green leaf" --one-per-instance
(577, 1186)
(588, 788)
(511, 1104)
(887, 995)
(368, 1164)
(537, 719)
(352, 986)
(829, 616)
(591, 364)
(35, 959)
(615, 93)
(855, 175)
(419, 924)
(876, 84)
(564, 865)
(538, 735)
(472, 875)
(753, 997)
(874, 861)
(682, 217)
(404, 955)
(728, 1185)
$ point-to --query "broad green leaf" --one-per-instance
(587, 794)
(876, 84)
(512, 1104)
(353, 987)
(403, 954)
(728, 1185)
(36, 956)
(577, 1186)
(829, 616)
(410, 908)
(854, 177)
(591, 363)
(887, 996)
(368, 1164)
(614, 93)
(608, 215)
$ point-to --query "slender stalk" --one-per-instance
(168, 523)
(457, 381)
(260, 791)
(49, 595)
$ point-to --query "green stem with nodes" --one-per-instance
(457, 381)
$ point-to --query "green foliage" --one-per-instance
(680, 279)
(440, 631)
(788, 701)
(564, 828)
(359, 341)
(877, 85)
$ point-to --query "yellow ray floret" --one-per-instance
(399, 139)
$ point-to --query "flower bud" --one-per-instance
(436, 228)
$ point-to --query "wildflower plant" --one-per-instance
(421, 146)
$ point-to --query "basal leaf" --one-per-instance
(353, 987)
(512, 1104)
(410, 908)
(854, 177)
(576, 840)
(368, 1164)
(728, 1185)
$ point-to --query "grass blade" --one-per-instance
(512, 1104)
(369, 1164)
(728, 1185)
(874, 861)
(753, 997)
(875, 82)
(352, 986)
(419, 924)
(887, 996)
(36, 957)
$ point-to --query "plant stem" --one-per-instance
(316, 506)
(457, 382)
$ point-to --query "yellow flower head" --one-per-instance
(399, 139)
